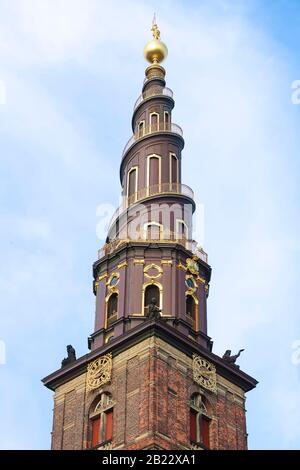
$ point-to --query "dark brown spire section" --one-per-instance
(150, 250)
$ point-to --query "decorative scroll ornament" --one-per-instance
(190, 284)
(153, 271)
(99, 372)
(204, 373)
(192, 265)
(113, 280)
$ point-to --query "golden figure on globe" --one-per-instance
(155, 51)
(154, 29)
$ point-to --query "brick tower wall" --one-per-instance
(151, 386)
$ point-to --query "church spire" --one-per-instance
(150, 336)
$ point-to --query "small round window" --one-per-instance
(189, 282)
(114, 281)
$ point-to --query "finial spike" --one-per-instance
(154, 19)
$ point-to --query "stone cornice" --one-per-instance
(145, 330)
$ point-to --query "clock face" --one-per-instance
(204, 373)
(97, 381)
(99, 372)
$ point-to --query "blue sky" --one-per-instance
(72, 71)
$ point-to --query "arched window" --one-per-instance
(153, 174)
(153, 231)
(190, 307)
(167, 120)
(151, 292)
(112, 308)
(181, 230)
(101, 420)
(199, 420)
(141, 129)
(132, 184)
(154, 122)
(173, 171)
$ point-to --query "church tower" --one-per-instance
(151, 380)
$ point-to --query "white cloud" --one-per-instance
(53, 31)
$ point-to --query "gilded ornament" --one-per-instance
(122, 265)
(113, 280)
(190, 283)
(192, 265)
(138, 261)
(157, 269)
(181, 266)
